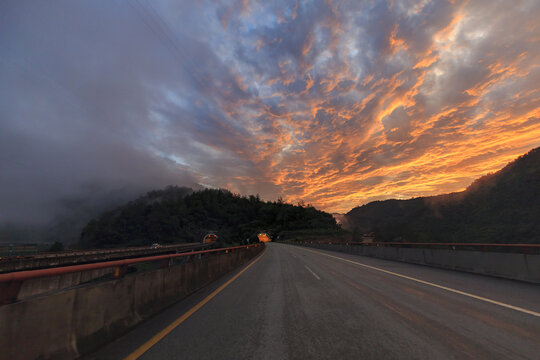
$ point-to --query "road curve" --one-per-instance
(301, 303)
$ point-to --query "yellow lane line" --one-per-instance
(160, 335)
(508, 306)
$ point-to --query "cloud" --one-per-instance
(397, 125)
(335, 103)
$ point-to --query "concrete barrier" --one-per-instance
(66, 258)
(523, 267)
(45, 285)
(75, 322)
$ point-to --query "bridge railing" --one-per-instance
(75, 257)
(10, 283)
(509, 261)
(76, 321)
(72, 253)
(484, 247)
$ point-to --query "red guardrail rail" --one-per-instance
(78, 257)
(69, 253)
(10, 283)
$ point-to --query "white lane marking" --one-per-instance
(311, 271)
(508, 306)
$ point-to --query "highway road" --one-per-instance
(301, 303)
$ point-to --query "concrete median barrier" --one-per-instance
(75, 322)
(515, 266)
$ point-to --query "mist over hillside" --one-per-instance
(67, 217)
(503, 207)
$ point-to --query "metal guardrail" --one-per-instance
(69, 253)
(78, 257)
(523, 248)
(10, 283)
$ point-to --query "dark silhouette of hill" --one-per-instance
(503, 207)
(181, 215)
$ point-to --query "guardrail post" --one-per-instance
(120, 271)
(529, 250)
(164, 263)
(9, 292)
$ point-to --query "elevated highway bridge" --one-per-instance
(276, 301)
(300, 303)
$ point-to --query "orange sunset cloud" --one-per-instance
(423, 104)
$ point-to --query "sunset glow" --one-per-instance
(391, 99)
(333, 103)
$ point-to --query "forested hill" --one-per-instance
(180, 215)
(503, 207)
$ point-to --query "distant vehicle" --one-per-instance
(210, 238)
(155, 246)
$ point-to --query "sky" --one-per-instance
(334, 103)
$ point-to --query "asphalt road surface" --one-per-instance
(301, 303)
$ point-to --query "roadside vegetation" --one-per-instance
(177, 214)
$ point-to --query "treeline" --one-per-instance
(498, 208)
(178, 214)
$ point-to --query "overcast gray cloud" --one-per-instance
(336, 103)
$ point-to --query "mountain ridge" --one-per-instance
(499, 207)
